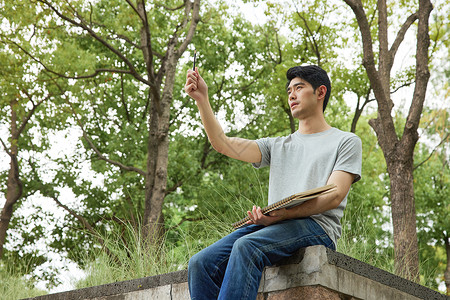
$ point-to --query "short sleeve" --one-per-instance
(265, 146)
(349, 157)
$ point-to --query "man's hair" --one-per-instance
(314, 75)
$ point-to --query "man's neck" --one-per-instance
(312, 125)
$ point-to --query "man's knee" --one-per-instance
(196, 262)
(243, 245)
(202, 260)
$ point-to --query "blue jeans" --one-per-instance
(232, 267)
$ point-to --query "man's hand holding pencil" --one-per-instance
(195, 86)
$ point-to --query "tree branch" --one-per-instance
(203, 166)
(410, 135)
(48, 191)
(359, 110)
(383, 124)
(88, 226)
(113, 33)
(116, 163)
(81, 219)
(402, 86)
(395, 90)
(194, 21)
(280, 60)
(383, 64)
(96, 72)
(368, 59)
(6, 148)
(311, 35)
(134, 8)
(92, 33)
(268, 44)
(122, 98)
(180, 110)
(174, 187)
(432, 152)
(31, 111)
(147, 52)
(170, 8)
(99, 154)
(172, 42)
(400, 36)
(125, 38)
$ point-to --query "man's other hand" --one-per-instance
(257, 217)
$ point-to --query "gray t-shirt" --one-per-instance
(300, 162)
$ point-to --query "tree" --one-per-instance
(27, 93)
(398, 150)
(147, 54)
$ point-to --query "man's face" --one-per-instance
(301, 98)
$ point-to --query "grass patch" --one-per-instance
(14, 286)
(130, 257)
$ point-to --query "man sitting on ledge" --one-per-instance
(315, 155)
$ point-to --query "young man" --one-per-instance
(315, 155)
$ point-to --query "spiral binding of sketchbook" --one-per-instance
(291, 201)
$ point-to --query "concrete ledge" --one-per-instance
(346, 263)
(312, 273)
(115, 291)
(349, 277)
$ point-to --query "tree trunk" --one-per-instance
(156, 177)
(404, 218)
(158, 157)
(159, 119)
(14, 184)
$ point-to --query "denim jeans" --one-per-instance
(231, 268)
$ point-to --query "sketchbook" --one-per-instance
(291, 201)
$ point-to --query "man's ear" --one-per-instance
(321, 92)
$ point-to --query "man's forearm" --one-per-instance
(311, 207)
(314, 206)
(213, 129)
(343, 181)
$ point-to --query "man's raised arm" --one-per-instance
(238, 148)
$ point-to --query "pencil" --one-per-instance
(195, 54)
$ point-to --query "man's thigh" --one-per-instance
(284, 238)
(219, 252)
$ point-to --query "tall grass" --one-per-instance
(360, 248)
(15, 286)
(129, 257)
(363, 242)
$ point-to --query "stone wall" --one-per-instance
(311, 274)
